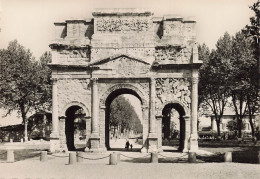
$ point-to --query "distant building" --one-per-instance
(229, 115)
(39, 126)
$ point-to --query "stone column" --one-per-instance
(152, 108)
(187, 133)
(94, 138)
(145, 118)
(152, 138)
(55, 119)
(194, 114)
(94, 107)
(62, 136)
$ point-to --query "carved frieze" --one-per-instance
(77, 53)
(172, 54)
(123, 24)
(124, 66)
(178, 89)
(173, 27)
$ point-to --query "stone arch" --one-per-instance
(140, 93)
(110, 94)
(184, 106)
(183, 111)
(75, 103)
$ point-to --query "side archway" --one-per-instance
(75, 103)
(73, 124)
(186, 109)
(173, 126)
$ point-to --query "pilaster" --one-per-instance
(187, 133)
(194, 113)
(94, 138)
(152, 137)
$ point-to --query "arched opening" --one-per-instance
(75, 128)
(123, 120)
(173, 127)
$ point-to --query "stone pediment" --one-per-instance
(121, 65)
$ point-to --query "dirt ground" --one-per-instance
(132, 165)
(59, 168)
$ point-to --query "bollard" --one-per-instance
(72, 158)
(79, 157)
(11, 140)
(228, 157)
(44, 156)
(113, 158)
(118, 157)
(154, 157)
(192, 157)
(21, 140)
(10, 156)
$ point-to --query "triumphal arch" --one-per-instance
(124, 51)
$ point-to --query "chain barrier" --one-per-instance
(30, 156)
(59, 156)
(3, 153)
(93, 158)
(172, 157)
(135, 157)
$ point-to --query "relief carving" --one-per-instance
(127, 67)
(123, 24)
(173, 88)
(79, 53)
(173, 54)
(173, 28)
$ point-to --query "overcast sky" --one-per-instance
(31, 21)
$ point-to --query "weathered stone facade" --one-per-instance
(124, 51)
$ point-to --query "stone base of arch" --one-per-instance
(152, 143)
(193, 143)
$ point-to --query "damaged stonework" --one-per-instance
(124, 51)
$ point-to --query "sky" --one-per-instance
(31, 21)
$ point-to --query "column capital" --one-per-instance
(195, 80)
(186, 118)
(153, 81)
(94, 80)
(54, 80)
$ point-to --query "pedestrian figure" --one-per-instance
(131, 147)
(127, 145)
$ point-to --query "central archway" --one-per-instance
(110, 98)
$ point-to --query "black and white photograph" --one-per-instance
(130, 89)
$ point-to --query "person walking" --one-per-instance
(127, 145)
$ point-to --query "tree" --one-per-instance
(23, 82)
(123, 115)
(233, 126)
(214, 89)
(253, 31)
(243, 79)
(204, 52)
